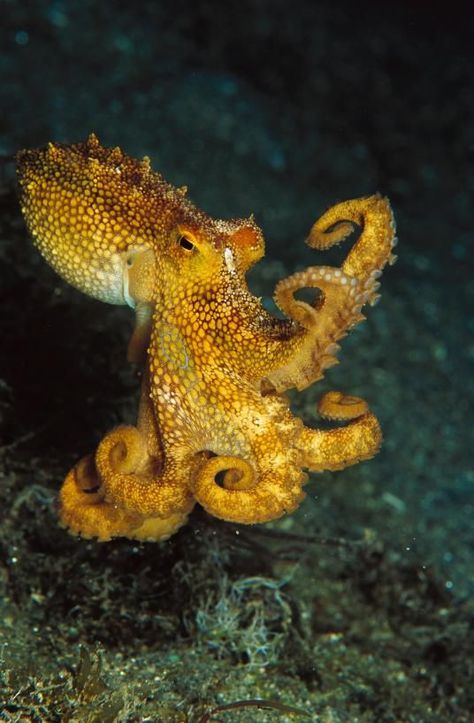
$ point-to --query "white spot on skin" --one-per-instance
(126, 294)
(169, 398)
(229, 260)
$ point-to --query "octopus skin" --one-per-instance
(214, 425)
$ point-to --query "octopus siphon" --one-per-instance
(214, 425)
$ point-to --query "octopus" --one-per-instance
(214, 425)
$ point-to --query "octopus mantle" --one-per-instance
(214, 425)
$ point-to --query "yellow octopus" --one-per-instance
(214, 424)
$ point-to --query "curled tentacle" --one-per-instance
(335, 449)
(131, 478)
(344, 291)
(340, 296)
(373, 249)
(85, 512)
(336, 405)
(326, 321)
(247, 495)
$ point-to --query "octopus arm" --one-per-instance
(126, 488)
(262, 486)
(373, 249)
(343, 291)
(84, 511)
(334, 449)
(268, 483)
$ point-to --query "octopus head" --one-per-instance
(205, 251)
(71, 214)
(118, 232)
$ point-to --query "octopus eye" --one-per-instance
(185, 243)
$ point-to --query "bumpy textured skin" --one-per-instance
(214, 425)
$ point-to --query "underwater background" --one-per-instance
(359, 606)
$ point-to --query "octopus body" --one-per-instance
(214, 424)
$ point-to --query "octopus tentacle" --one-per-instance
(344, 291)
(85, 512)
(336, 405)
(248, 494)
(373, 249)
(96, 495)
(328, 320)
(339, 295)
(132, 478)
(335, 449)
